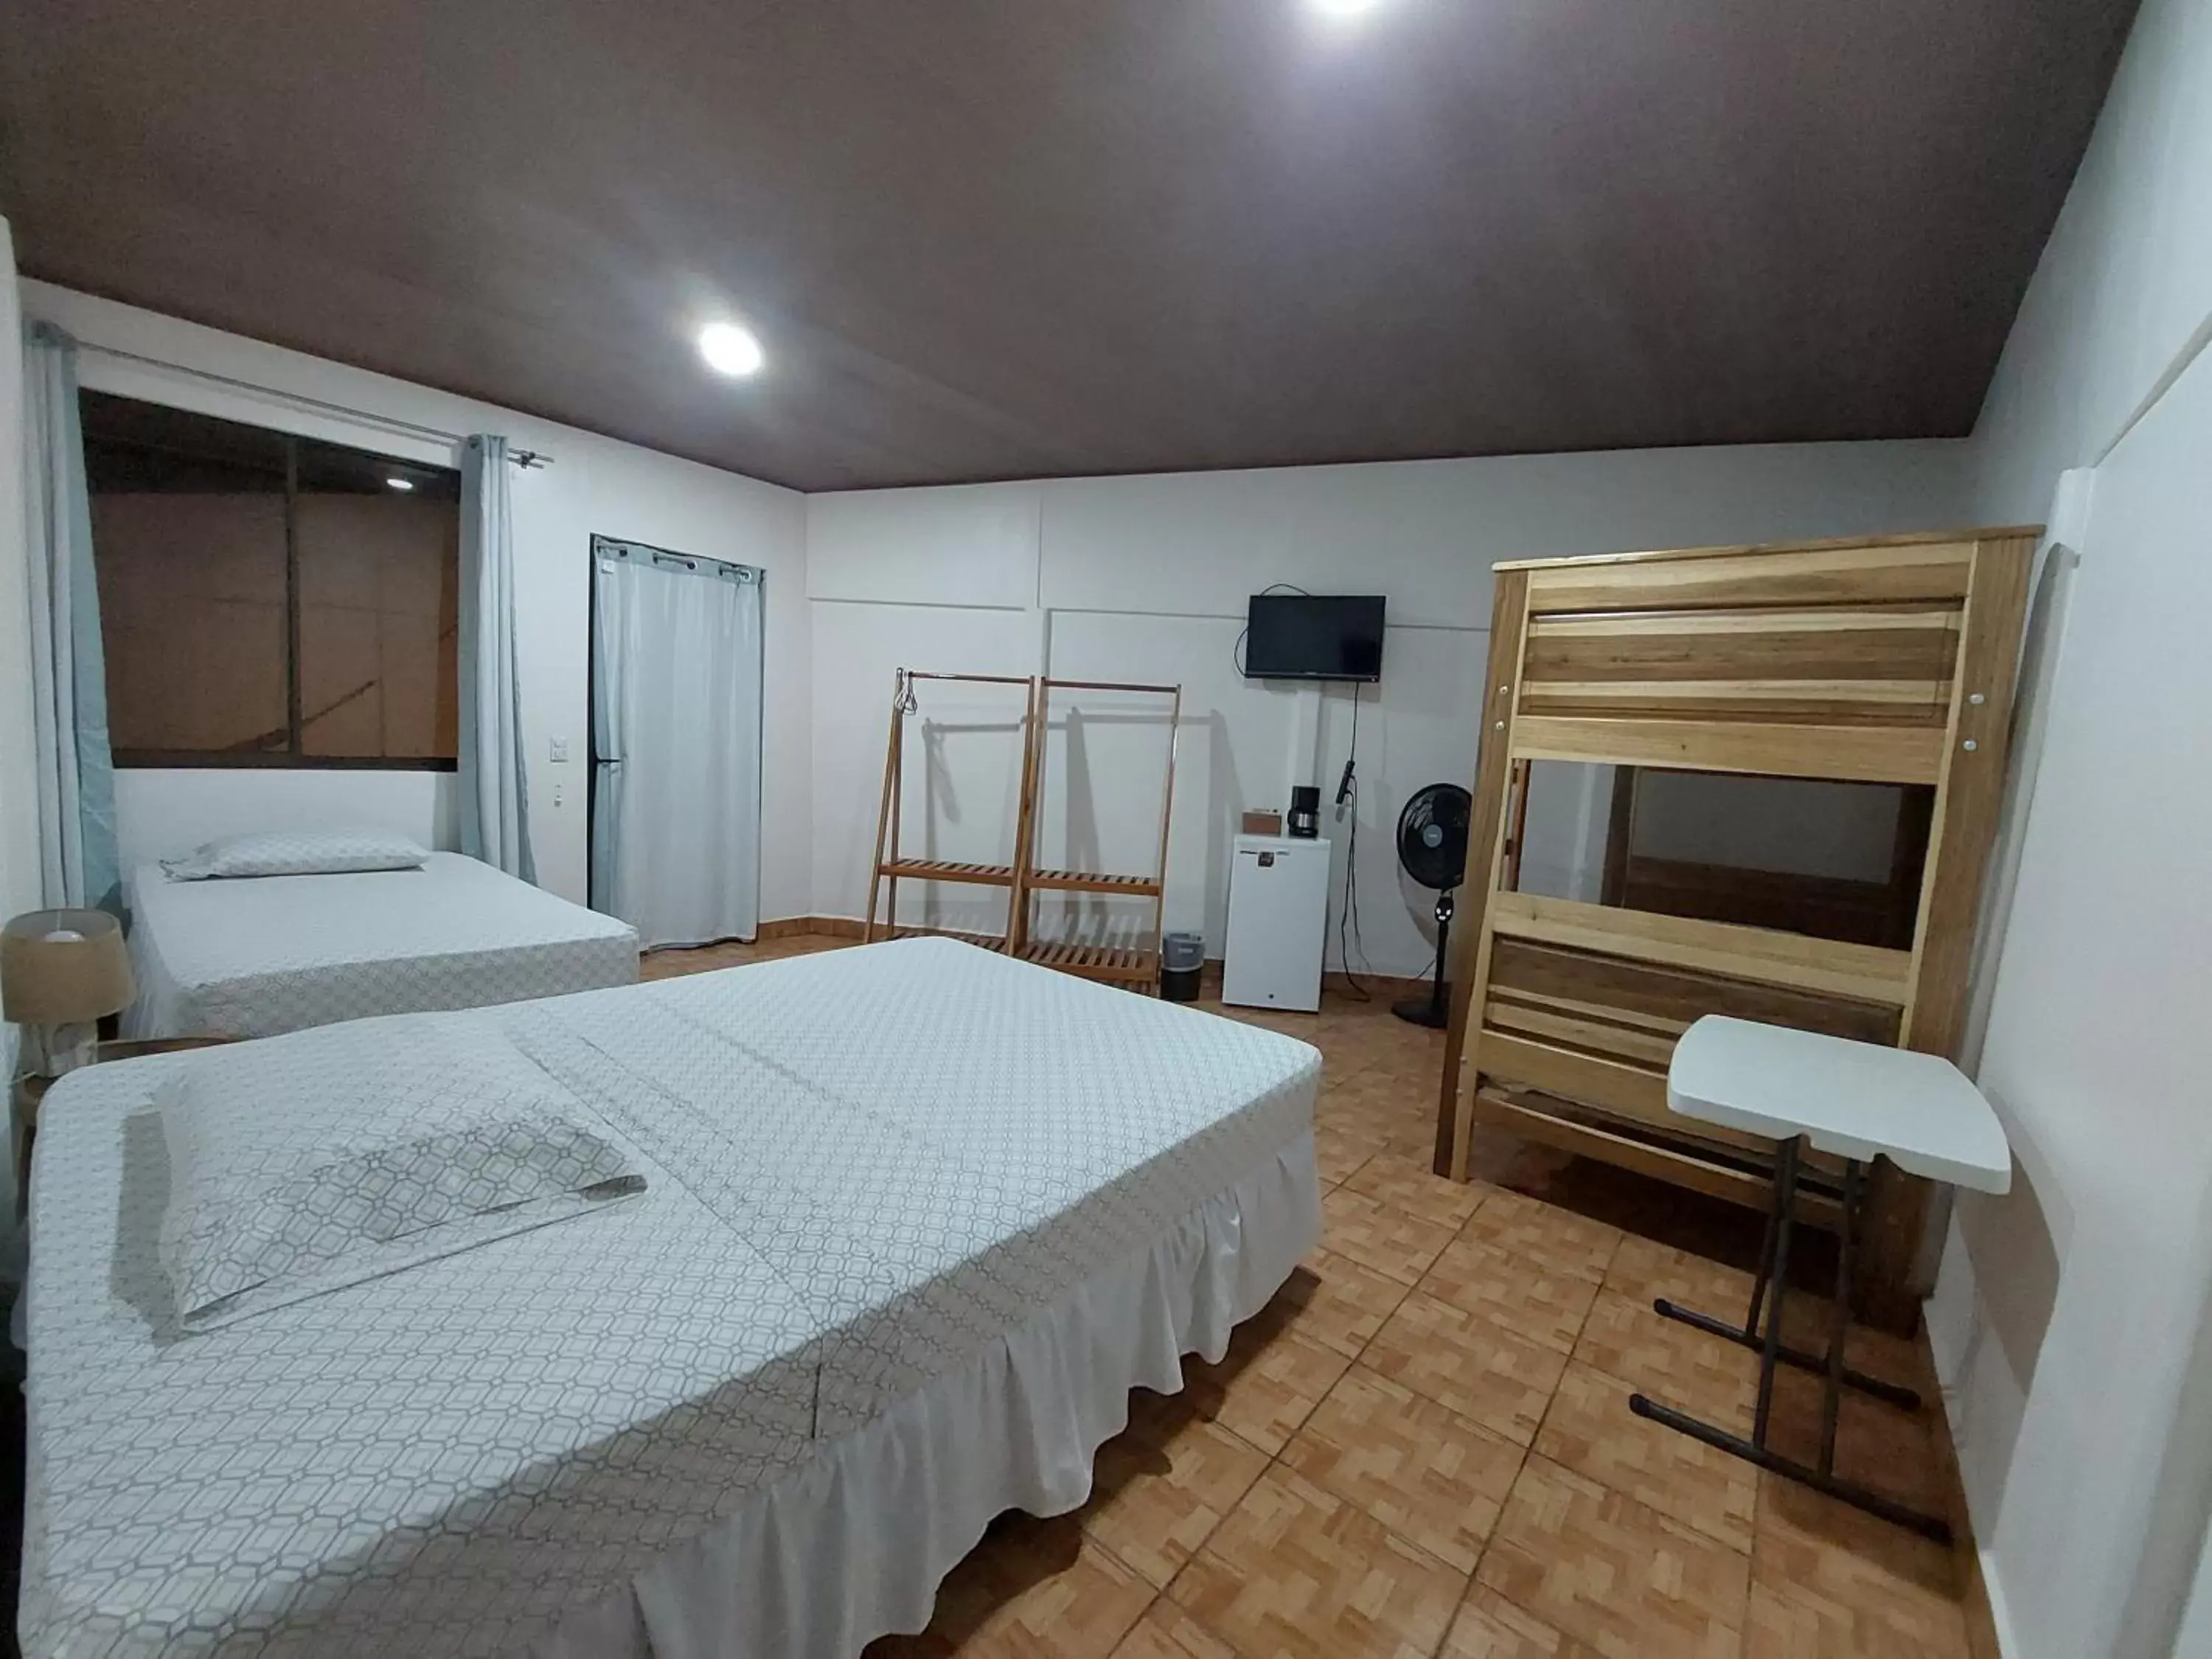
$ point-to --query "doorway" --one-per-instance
(676, 743)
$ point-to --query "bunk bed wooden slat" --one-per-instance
(1864, 754)
(1853, 575)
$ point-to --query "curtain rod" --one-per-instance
(525, 459)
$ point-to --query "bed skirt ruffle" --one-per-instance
(853, 1544)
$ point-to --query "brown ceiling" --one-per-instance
(1036, 237)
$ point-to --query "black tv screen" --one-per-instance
(1314, 637)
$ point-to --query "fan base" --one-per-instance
(1433, 1012)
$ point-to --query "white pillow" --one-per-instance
(304, 1164)
(298, 852)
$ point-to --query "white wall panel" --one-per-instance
(1426, 533)
(969, 545)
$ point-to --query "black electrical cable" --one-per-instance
(1236, 651)
(1349, 911)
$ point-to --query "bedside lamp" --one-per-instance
(62, 972)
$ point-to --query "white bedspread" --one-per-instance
(918, 1217)
(281, 953)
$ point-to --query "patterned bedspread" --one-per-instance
(863, 1168)
(261, 957)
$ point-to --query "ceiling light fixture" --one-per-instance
(730, 348)
(399, 484)
(1342, 8)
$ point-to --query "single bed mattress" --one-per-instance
(266, 954)
(916, 1218)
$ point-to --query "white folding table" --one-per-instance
(1858, 1101)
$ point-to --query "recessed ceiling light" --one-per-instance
(730, 348)
(1342, 8)
(399, 484)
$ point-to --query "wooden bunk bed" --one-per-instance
(1886, 660)
(1136, 965)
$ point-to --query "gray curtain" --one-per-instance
(76, 774)
(495, 803)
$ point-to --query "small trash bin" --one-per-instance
(1182, 958)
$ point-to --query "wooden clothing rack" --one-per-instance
(1135, 966)
(893, 866)
(1886, 660)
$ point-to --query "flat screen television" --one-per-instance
(1314, 637)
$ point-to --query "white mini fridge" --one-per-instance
(1278, 921)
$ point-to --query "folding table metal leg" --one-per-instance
(1774, 1270)
(1766, 1295)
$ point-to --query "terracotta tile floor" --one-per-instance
(1423, 1446)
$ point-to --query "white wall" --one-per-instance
(1146, 578)
(595, 485)
(2070, 1318)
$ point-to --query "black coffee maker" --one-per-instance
(1303, 821)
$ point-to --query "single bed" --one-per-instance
(917, 1218)
(270, 954)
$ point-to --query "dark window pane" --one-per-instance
(378, 600)
(190, 540)
(135, 447)
(188, 547)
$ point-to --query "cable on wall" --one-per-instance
(1236, 651)
(1348, 794)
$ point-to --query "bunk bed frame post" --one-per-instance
(1509, 615)
(1517, 824)
(1969, 796)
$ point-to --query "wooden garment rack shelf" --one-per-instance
(1136, 966)
(1886, 660)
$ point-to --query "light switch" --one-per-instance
(558, 748)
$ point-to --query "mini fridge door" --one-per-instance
(1278, 920)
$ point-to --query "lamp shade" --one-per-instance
(62, 968)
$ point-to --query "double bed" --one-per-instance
(270, 954)
(915, 1219)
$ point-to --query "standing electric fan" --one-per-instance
(1432, 846)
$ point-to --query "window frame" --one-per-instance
(293, 756)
